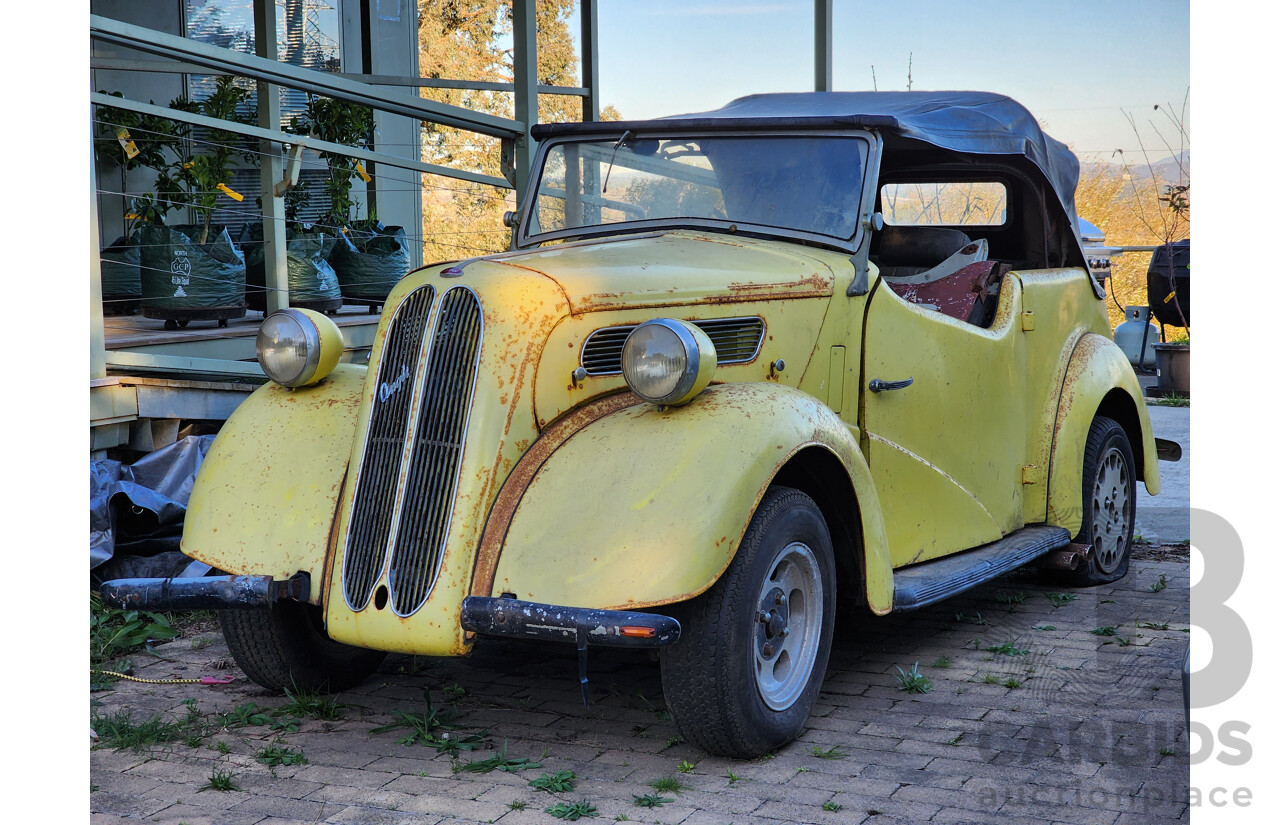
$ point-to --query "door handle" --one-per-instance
(877, 385)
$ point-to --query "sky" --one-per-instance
(1077, 66)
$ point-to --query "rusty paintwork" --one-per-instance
(943, 439)
(790, 328)
(264, 499)
(500, 515)
(520, 309)
(626, 542)
(678, 269)
(1097, 367)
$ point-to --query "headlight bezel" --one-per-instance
(322, 341)
(699, 362)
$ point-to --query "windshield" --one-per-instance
(804, 183)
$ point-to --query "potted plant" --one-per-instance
(126, 141)
(196, 272)
(369, 257)
(312, 282)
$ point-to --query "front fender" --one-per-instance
(264, 500)
(642, 506)
(1099, 380)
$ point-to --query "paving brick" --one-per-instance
(193, 815)
(1030, 754)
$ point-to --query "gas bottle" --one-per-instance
(1128, 336)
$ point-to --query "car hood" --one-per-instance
(675, 268)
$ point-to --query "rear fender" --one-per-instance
(265, 497)
(644, 506)
(1099, 381)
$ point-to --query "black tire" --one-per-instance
(1109, 501)
(285, 646)
(720, 700)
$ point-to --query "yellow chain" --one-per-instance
(204, 680)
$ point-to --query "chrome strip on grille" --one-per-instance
(737, 340)
(373, 508)
(432, 476)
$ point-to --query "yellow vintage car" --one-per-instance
(738, 370)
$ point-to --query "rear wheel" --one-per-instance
(753, 649)
(1109, 496)
(285, 646)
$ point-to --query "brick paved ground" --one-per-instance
(1056, 725)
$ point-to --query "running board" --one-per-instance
(932, 581)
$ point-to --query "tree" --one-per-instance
(1140, 204)
(469, 40)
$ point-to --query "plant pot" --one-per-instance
(370, 262)
(122, 276)
(312, 282)
(1173, 367)
(187, 281)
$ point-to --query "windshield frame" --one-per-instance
(521, 239)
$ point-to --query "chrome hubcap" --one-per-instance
(1111, 510)
(788, 626)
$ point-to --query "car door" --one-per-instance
(946, 450)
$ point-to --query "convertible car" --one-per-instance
(738, 370)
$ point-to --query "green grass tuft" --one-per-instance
(572, 811)
(914, 681)
(558, 782)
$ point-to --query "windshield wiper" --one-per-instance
(605, 188)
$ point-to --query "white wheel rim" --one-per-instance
(1111, 508)
(787, 626)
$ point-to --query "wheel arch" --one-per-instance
(819, 474)
(672, 492)
(1119, 406)
(1098, 381)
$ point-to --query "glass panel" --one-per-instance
(308, 33)
(804, 183)
(971, 203)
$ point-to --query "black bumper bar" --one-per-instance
(574, 625)
(205, 593)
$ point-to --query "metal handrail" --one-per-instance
(306, 141)
(283, 74)
(168, 66)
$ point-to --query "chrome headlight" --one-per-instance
(668, 362)
(297, 347)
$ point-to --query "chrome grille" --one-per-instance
(737, 340)
(375, 495)
(437, 450)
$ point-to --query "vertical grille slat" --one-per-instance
(437, 451)
(737, 340)
(373, 509)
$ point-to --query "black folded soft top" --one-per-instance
(979, 123)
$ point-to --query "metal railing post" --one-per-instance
(590, 39)
(274, 243)
(97, 324)
(525, 37)
(822, 42)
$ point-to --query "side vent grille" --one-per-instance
(737, 341)
(375, 495)
(437, 450)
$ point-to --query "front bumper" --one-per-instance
(204, 593)
(575, 625)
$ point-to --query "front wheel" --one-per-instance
(753, 650)
(285, 647)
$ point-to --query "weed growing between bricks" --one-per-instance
(1093, 730)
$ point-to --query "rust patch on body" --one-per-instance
(522, 475)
